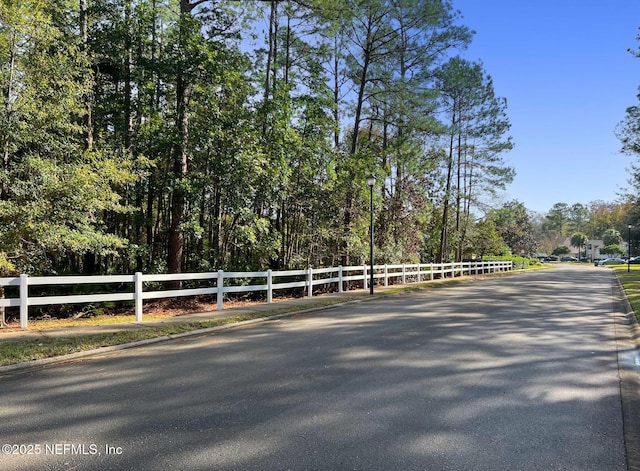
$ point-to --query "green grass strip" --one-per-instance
(631, 283)
(18, 351)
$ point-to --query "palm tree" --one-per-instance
(579, 240)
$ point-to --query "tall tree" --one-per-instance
(475, 141)
(578, 218)
(556, 220)
(611, 237)
(188, 34)
(395, 48)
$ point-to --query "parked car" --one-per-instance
(567, 258)
(634, 260)
(611, 261)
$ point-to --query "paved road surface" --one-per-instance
(512, 373)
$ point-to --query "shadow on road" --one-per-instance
(511, 373)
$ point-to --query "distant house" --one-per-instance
(591, 250)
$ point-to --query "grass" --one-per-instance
(631, 283)
(23, 350)
(18, 351)
(14, 351)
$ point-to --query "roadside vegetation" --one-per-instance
(631, 284)
(24, 350)
(163, 136)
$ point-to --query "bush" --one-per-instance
(519, 263)
(6, 267)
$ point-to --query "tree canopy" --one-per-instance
(165, 135)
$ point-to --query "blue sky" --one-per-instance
(564, 69)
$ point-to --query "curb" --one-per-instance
(629, 314)
(627, 346)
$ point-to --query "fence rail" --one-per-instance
(232, 282)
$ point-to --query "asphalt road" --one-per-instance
(511, 373)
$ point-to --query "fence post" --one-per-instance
(386, 275)
(340, 287)
(220, 286)
(364, 277)
(419, 276)
(269, 286)
(310, 282)
(24, 301)
(137, 294)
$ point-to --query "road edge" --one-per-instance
(627, 333)
(69, 357)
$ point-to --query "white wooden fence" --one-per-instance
(232, 282)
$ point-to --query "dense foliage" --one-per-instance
(628, 132)
(190, 135)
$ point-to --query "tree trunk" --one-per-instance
(3, 321)
(348, 207)
(271, 53)
(88, 117)
(445, 212)
(336, 94)
(8, 112)
(468, 187)
(459, 195)
(180, 160)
